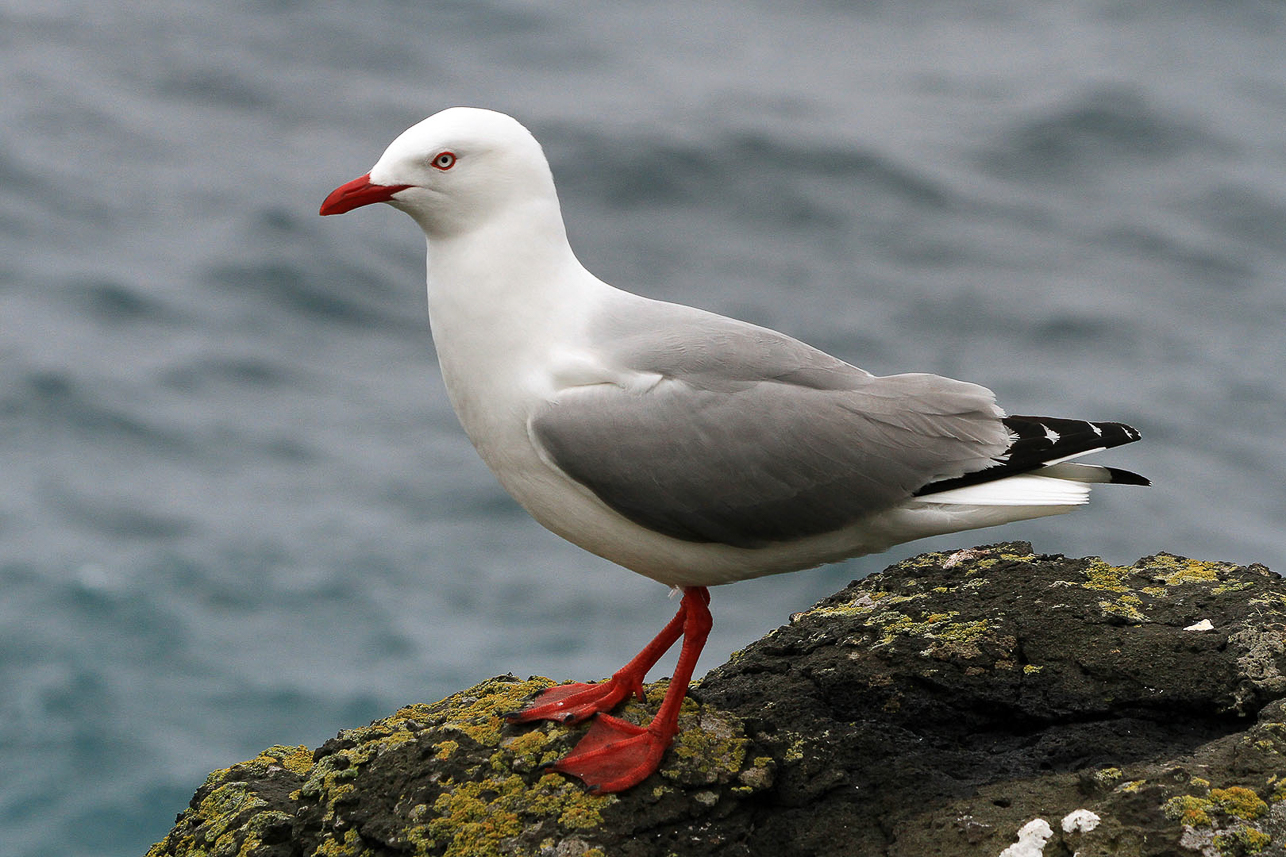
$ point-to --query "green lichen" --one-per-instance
(1031, 669)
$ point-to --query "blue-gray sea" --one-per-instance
(236, 509)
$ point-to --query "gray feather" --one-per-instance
(753, 437)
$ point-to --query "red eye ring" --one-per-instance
(444, 161)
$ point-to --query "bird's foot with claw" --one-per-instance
(614, 755)
(572, 703)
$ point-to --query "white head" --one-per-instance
(455, 171)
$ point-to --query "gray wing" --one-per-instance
(753, 437)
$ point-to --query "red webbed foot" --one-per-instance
(614, 755)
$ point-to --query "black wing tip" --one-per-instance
(1109, 434)
(1039, 441)
(1126, 477)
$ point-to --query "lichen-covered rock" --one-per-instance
(954, 704)
(453, 778)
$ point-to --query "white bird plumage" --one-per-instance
(519, 324)
(688, 447)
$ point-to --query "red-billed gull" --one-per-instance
(691, 448)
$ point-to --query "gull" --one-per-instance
(691, 448)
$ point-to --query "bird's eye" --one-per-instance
(444, 160)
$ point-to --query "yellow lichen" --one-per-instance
(1107, 776)
(350, 846)
(1189, 809)
(479, 714)
(959, 639)
(530, 748)
(1108, 578)
(1243, 840)
(933, 559)
(1176, 570)
(1232, 587)
(482, 818)
(1239, 801)
(1235, 801)
(1126, 606)
(935, 626)
(709, 747)
(297, 760)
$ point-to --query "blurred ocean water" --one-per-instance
(236, 509)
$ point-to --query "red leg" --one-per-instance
(615, 754)
(572, 703)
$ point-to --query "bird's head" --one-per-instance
(454, 171)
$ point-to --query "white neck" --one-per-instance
(503, 297)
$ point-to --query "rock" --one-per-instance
(986, 702)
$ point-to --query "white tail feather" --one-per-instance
(1025, 489)
(1077, 472)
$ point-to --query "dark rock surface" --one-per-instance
(952, 705)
